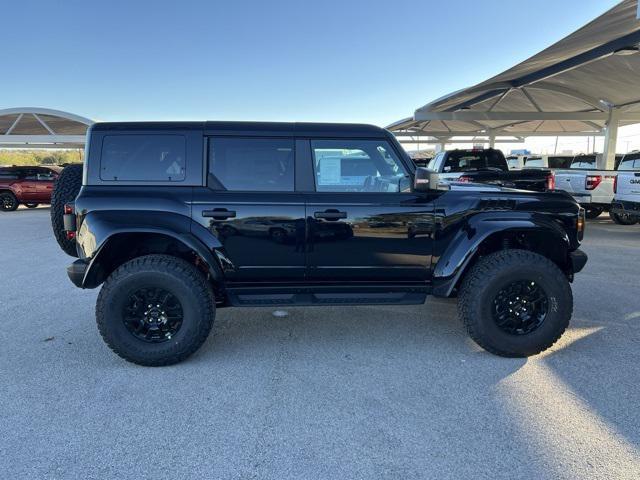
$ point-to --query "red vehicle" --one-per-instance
(29, 186)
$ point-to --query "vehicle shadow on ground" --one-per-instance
(598, 384)
(430, 334)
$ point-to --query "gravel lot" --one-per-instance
(328, 393)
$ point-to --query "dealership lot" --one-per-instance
(357, 392)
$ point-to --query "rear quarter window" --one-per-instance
(143, 158)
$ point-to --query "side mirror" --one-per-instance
(426, 180)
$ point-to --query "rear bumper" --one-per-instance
(578, 260)
(624, 207)
(76, 272)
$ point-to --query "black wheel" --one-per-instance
(155, 310)
(8, 202)
(31, 205)
(65, 190)
(515, 303)
(623, 219)
(593, 212)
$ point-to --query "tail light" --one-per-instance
(551, 181)
(580, 224)
(71, 235)
(615, 184)
(465, 179)
(68, 209)
(592, 182)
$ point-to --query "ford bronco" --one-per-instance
(175, 220)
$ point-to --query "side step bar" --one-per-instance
(243, 297)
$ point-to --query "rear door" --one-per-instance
(364, 223)
(251, 206)
(44, 184)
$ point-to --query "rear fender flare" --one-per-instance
(98, 229)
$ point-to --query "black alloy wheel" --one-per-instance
(8, 202)
(520, 307)
(152, 315)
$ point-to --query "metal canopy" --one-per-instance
(586, 84)
(41, 128)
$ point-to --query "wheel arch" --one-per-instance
(106, 240)
(487, 236)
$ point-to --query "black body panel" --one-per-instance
(303, 246)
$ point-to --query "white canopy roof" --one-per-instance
(575, 87)
(41, 128)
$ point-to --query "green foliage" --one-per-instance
(40, 157)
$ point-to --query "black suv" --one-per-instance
(177, 219)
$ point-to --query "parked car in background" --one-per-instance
(29, 186)
(488, 166)
(592, 188)
(625, 208)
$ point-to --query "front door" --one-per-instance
(364, 224)
(251, 206)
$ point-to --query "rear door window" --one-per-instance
(251, 164)
(143, 158)
(10, 173)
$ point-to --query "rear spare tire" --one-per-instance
(515, 303)
(65, 190)
(622, 219)
(155, 310)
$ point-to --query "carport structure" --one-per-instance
(42, 128)
(586, 84)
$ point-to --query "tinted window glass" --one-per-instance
(251, 164)
(464, 161)
(560, 162)
(584, 162)
(357, 166)
(9, 174)
(146, 158)
(630, 162)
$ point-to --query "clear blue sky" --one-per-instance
(329, 60)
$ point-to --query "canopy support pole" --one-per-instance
(610, 140)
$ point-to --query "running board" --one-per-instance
(245, 298)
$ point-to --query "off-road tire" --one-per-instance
(31, 205)
(173, 274)
(8, 202)
(490, 274)
(65, 190)
(623, 219)
(593, 212)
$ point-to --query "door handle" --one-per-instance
(219, 213)
(330, 214)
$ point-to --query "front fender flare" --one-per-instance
(464, 245)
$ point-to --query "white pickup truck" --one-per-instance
(625, 209)
(592, 189)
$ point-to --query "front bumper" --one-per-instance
(624, 207)
(76, 272)
(578, 260)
